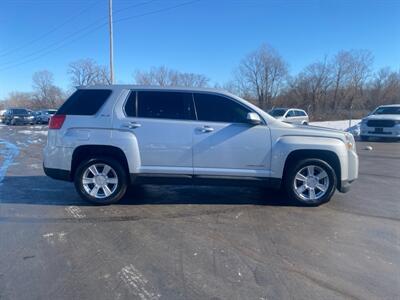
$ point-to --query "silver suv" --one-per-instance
(290, 115)
(107, 137)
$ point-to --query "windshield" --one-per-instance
(389, 110)
(277, 112)
(20, 112)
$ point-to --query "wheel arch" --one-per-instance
(84, 152)
(326, 155)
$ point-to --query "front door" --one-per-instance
(224, 143)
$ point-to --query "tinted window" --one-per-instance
(84, 102)
(290, 114)
(165, 105)
(130, 105)
(277, 112)
(389, 110)
(300, 113)
(19, 111)
(219, 109)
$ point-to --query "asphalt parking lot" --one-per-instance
(183, 242)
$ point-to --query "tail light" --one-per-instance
(56, 121)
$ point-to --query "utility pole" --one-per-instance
(110, 25)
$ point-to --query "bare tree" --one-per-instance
(360, 71)
(384, 88)
(45, 94)
(88, 72)
(163, 76)
(18, 99)
(313, 85)
(262, 74)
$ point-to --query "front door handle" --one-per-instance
(132, 125)
(206, 129)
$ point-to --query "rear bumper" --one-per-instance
(57, 174)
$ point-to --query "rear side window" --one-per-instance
(165, 105)
(130, 105)
(84, 102)
(300, 113)
(290, 113)
(215, 108)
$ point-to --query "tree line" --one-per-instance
(329, 88)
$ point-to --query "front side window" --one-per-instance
(165, 105)
(216, 108)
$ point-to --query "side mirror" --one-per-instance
(253, 118)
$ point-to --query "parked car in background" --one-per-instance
(107, 137)
(290, 115)
(43, 116)
(18, 116)
(383, 122)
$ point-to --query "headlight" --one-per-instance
(364, 121)
(350, 143)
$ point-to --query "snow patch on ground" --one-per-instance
(345, 125)
(8, 151)
(31, 132)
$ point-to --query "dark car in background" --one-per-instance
(18, 116)
(43, 116)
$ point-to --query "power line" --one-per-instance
(97, 28)
(54, 29)
(71, 35)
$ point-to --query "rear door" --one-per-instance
(224, 143)
(162, 123)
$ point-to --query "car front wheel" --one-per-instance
(310, 182)
(101, 180)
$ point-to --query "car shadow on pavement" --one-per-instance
(41, 190)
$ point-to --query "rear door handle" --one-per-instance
(132, 125)
(206, 129)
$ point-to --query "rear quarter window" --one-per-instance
(84, 102)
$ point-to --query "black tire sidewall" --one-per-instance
(122, 180)
(292, 171)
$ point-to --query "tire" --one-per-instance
(117, 190)
(305, 123)
(364, 138)
(307, 197)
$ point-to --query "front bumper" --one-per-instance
(352, 172)
(345, 186)
(388, 132)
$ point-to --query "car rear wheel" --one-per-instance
(310, 182)
(101, 180)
